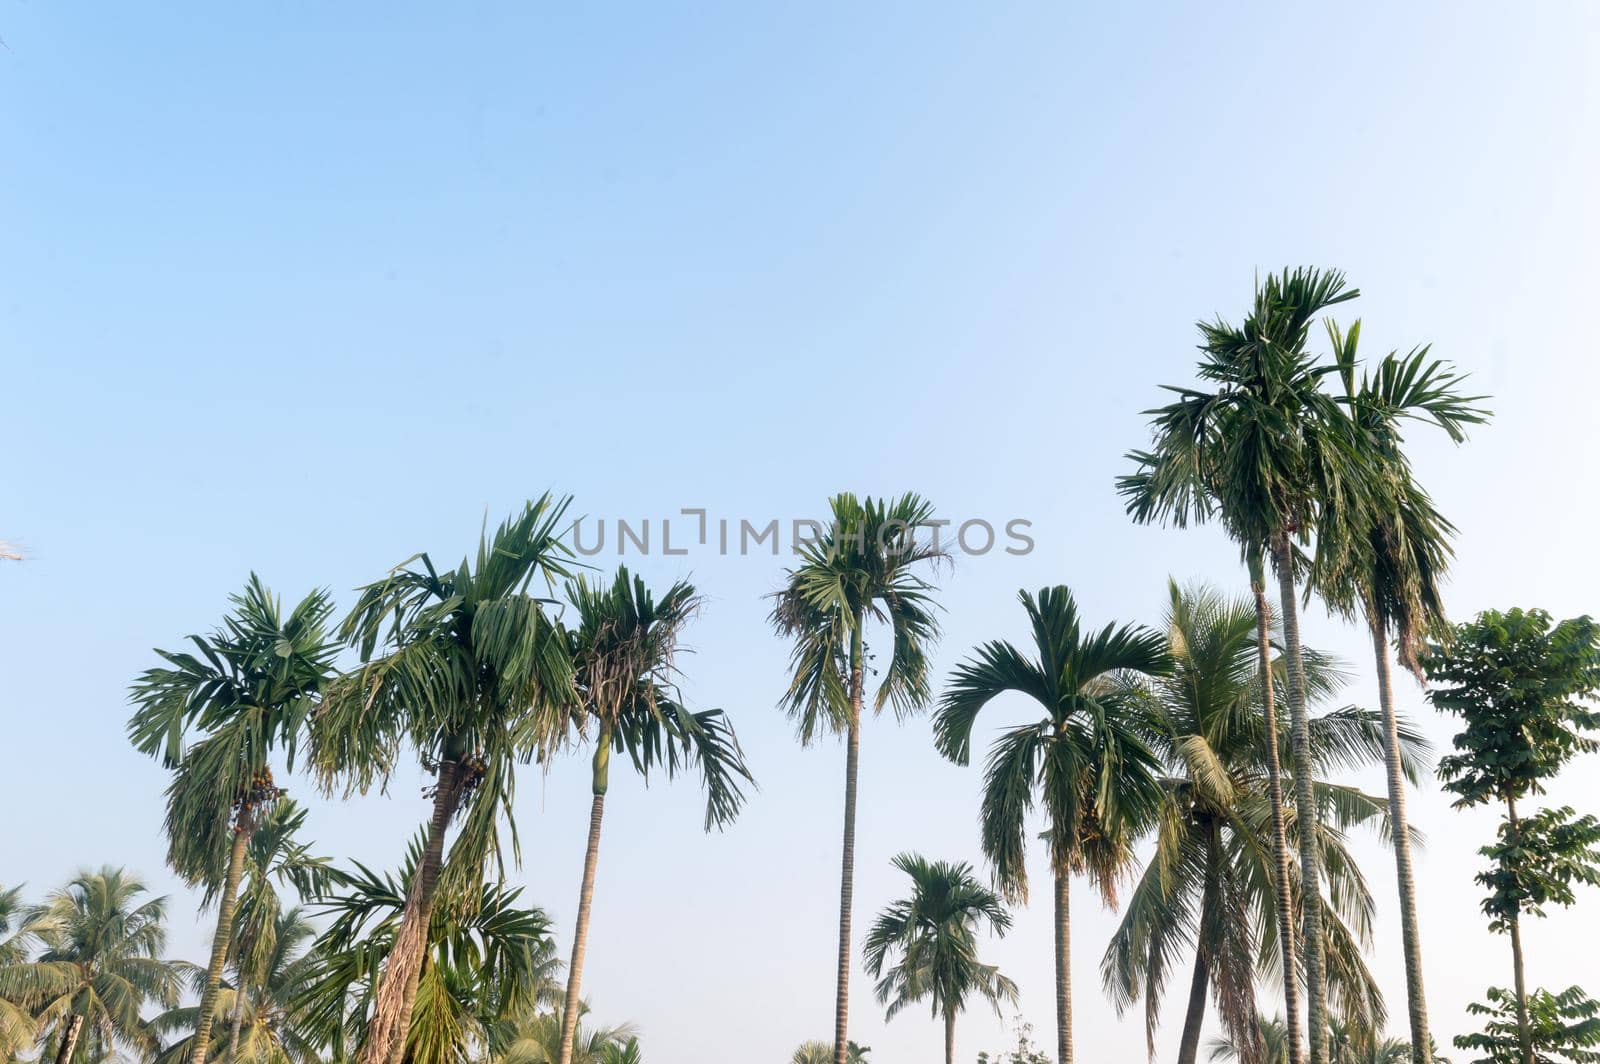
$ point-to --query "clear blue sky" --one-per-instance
(306, 288)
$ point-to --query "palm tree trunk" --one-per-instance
(1410, 936)
(397, 985)
(949, 1035)
(591, 860)
(242, 831)
(1281, 872)
(847, 865)
(238, 1022)
(69, 1039)
(1305, 806)
(1524, 1025)
(1063, 968)
(1194, 1016)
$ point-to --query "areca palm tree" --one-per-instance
(484, 960)
(1263, 448)
(1211, 881)
(469, 668)
(623, 652)
(1385, 561)
(863, 568)
(934, 934)
(101, 965)
(266, 1028)
(1085, 761)
(248, 688)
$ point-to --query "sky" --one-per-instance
(305, 289)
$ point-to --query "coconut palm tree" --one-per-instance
(1211, 882)
(1270, 1045)
(1264, 449)
(934, 935)
(623, 653)
(863, 568)
(822, 1053)
(484, 960)
(266, 1029)
(1085, 761)
(533, 1036)
(248, 688)
(469, 668)
(1386, 561)
(101, 965)
(21, 983)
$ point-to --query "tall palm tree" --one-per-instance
(248, 688)
(1263, 448)
(485, 960)
(1211, 881)
(863, 567)
(1386, 560)
(101, 964)
(21, 983)
(623, 653)
(934, 934)
(469, 668)
(266, 1028)
(1085, 761)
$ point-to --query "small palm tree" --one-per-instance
(534, 1036)
(623, 653)
(822, 1053)
(466, 666)
(1209, 883)
(101, 965)
(863, 567)
(934, 935)
(21, 983)
(1269, 1044)
(1085, 761)
(248, 687)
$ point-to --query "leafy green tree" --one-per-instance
(1085, 761)
(931, 938)
(484, 961)
(1522, 684)
(862, 568)
(468, 668)
(1385, 560)
(21, 983)
(1210, 884)
(248, 687)
(623, 652)
(1565, 1027)
(1263, 448)
(101, 965)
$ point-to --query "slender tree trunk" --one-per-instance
(949, 1035)
(1524, 1025)
(1194, 1016)
(1281, 871)
(223, 936)
(1063, 968)
(69, 1039)
(236, 1025)
(397, 984)
(591, 860)
(1305, 807)
(847, 865)
(1411, 937)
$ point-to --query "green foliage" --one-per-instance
(934, 935)
(1565, 1028)
(1024, 1052)
(822, 1053)
(528, 1035)
(1520, 683)
(1537, 861)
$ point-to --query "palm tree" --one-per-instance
(534, 1036)
(623, 653)
(1264, 449)
(21, 983)
(1085, 760)
(1386, 561)
(473, 673)
(266, 1029)
(934, 933)
(248, 687)
(101, 964)
(862, 568)
(1269, 1044)
(822, 1053)
(484, 960)
(1211, 881)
